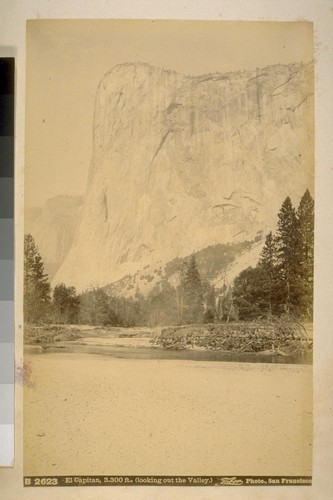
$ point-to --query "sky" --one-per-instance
(66, 59)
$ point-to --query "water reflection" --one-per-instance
(191, 355)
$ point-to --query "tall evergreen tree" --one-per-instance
(288, 239)
(36, 284)
(270, 276)
(193, 296)
(305, 214)
(283, 279)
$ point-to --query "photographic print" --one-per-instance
(168, 253)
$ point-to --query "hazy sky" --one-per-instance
(67, 59)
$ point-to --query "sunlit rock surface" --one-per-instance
(182, 162)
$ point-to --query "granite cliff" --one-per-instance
(183, 162)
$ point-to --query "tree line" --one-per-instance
(282, 282)
(187, 299)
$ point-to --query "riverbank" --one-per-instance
(88, 414)
(59, 336)
(276, 338)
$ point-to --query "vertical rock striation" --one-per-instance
(182, 162)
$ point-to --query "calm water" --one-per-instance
(191, 355)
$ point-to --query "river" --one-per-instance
(184, 354)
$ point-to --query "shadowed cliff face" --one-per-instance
(53, 227)
(180, 163)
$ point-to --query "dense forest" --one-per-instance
(281, 283)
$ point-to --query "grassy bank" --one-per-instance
(51, 335)
(277, 337)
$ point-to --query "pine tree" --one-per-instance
(288, 244)
(36, 284)
(282, 282)
(305, 214)
(193, 297)
(270, 276)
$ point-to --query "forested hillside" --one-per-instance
(281, 283)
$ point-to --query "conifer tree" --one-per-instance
(270, 276)
(282, 282)
(36, 284)
(288, 254)
(193, 296)
(305, 214)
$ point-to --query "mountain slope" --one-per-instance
(217, 265)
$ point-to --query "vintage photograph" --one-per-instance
(168, 253)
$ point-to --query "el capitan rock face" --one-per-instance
(181, 162)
